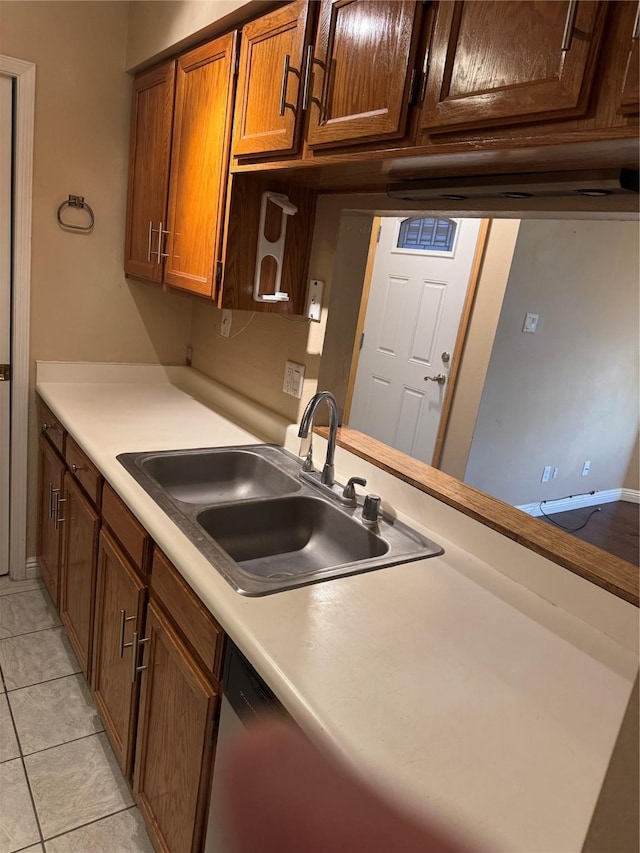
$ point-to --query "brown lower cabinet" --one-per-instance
(119, 614)
(50, 474)
(153, 668)
(174, 748)
(81, 525)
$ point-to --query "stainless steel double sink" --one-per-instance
(264, 529)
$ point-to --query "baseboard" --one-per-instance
(565, 504)
(33, 568)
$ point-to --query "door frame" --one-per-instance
(24, 75)
(465, 319)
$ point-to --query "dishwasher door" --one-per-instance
(245, 699)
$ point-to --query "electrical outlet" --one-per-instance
(586, 468)
(546, 474)
(530, 323)
(225, 323)
(293, 379)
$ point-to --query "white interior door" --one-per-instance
(6, 98)
(418, 287)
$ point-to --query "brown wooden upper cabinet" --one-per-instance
(199, 164)
(273, 50)
(497, 63)
(149, 158)
(178, 167)
(361, 70)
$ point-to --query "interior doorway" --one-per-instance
(413, 316)
(6, 179)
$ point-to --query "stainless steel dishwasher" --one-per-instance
(245, 698)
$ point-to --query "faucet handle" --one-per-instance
(349, 492)
(371, 509)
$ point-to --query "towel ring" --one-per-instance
(76, 201)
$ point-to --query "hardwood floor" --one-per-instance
(614, 529)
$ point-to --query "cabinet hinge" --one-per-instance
(361, 340)
(379, 233)
(236, 67)
(213, 734)
(219, 267)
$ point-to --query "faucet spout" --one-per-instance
(305, 425)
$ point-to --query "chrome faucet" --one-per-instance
(326, 477)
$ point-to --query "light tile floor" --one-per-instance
(61, 790)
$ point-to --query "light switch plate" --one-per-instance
(225, 323)
(530, 323)
(293, 379)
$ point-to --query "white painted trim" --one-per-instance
(566, 504)
(24, 74)
(32, 568)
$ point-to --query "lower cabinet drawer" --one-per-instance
(127, 529)
(199, 627)
(83, 470)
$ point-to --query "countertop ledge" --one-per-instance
(448, 681)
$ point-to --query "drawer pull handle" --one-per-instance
(76, 468)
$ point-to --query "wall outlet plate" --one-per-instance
(546, 474)
(293, 379)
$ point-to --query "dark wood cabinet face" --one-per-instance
(149, 157)
(268, 108)
(361, 71)
(79, 555)
(497, 63)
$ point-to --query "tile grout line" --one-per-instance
(64, 743)
(91, 822)
(29, 633)
(26, 775)
(44, 681)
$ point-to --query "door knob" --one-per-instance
(440, 378)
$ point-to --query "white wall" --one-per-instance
(82, 307)
(569, 393)
(159, 28)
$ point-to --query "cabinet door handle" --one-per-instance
(569, 25)
(307, 77)
(53, 496)
(76, 468)
(135, 669)
(283, 85)
(121, 644)
(161, 254)
(57, 521)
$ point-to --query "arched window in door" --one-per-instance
(427, 234)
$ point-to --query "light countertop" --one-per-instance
(462, 691)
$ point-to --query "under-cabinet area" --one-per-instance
(343, 663)
(148, 648)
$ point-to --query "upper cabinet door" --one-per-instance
(269, 100)
(199, 164)
(149, 155)
(496, 63)
(361, 70)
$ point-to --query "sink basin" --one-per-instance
(217, 476)
(260, 526)
(291, 537)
